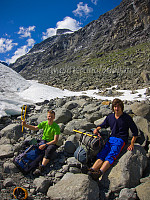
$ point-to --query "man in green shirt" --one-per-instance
(51, 132)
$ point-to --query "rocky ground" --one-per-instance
(64, 177)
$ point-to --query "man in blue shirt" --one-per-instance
(119, 122)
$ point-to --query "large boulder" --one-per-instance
(6, 151)
(77, 186)
(128, 171)
(63, 116)
(142, 124)
(12, 131)
(141, 109)
(143, 191)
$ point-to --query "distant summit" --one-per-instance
(4, 63)
(63, 31)
(108, 51)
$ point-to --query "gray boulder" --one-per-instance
(143, 190)
(42, 117)
(77, 186)
(141, 109)
(6, 151)
(127, 194)
(78, 124)
(63, 116)
(12, 131)
(128, 171)
(42, 184)
(142, 124)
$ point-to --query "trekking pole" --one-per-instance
(23, 115)
(84, 133)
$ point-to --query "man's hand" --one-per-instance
(96, 131)
(42, 147)
(23, 123)
(130, 147)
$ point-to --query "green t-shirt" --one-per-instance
(49, 131)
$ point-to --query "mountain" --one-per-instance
(110, 50)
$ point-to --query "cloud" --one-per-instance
(94, 1)
(26, 32)
(67, 23)
(21, 51)
(82, 10)
(6, 45)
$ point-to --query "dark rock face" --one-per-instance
(70, 60)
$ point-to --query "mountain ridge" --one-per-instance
(124, 27)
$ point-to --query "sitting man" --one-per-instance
(50, 138)
(119, 122)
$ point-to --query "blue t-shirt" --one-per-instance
(120, 127)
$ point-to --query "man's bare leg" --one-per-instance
(105, 166)
(97, 165)
(45, 161)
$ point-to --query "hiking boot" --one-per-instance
(39, 171)
(94, 174)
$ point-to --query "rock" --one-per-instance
(127, 194)
(42, 184)
(99, 121)
(72, 162)
(12, 131)
(128, 171)
(10, 167)
(71, 144)
(63, 116)
(77, 186)
(142, 124)
(93, 116)
(143, 191)
(6, 151)
(141, 109)
(8, 182)
(90, 108)
(42, 117)
(78, 124)
(145, 76)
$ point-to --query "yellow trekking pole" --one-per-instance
(24, 108)
(84, 133)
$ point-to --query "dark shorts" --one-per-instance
(111, 150)
(49, 150)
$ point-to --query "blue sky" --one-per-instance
(26, 23)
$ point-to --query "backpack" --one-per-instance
(29, 159)
(89, 146)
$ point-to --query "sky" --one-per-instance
(26, 23)
(15, 91)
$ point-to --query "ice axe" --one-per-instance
(23, 115)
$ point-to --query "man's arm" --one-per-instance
(34, 128)
(96, 130)
(131, 147)
(56, 137)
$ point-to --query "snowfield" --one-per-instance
(15, 91)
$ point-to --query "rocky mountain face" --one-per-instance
(110, 50)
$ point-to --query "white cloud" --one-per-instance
(49, 32)
(82, 10)
(94, 1)
(26, 32)
(68, 23)
(21, 51)
(6, 45)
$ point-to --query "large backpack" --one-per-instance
(89, 146)
(29, 159)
